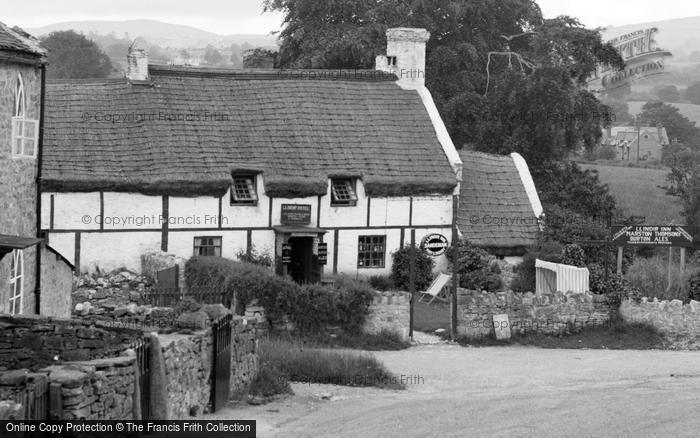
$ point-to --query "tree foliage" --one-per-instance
(73, 56)
(677, 125)
(213, 56)
(541, 112)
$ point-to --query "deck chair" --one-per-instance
(438, 289)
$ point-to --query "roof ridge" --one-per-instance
(367, 75)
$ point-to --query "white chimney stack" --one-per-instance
(137, 61)
(405, 55)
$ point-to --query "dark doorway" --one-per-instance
(301, 267)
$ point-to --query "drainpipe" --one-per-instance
(40, 146)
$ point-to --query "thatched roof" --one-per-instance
(296, 132)
(494, 208)
(17, 41)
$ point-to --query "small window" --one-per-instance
(343, 192)
(243, 190)
(371, 251)
(25, 132)
(391, 60)
(207, 246)
(16, 282)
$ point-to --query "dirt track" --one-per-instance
(500, 391)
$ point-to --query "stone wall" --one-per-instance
(34, 342)
(18, 201)
(549, 314)
(680, 322)
(99, 389)
(188, 362)
(57, 283)
(244, 355)
(390, 311)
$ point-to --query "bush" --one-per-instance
(478, 270)
(381, 282)
(255, 258)
(573, 255)
(616, 287)
(401, 264)
(269, 381)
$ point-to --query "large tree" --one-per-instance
(677, 126)
(72, 56)
(532, 101)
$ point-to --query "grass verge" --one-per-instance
(382, 341)
(295, 361)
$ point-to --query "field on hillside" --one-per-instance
(687, 109)
(637, 192)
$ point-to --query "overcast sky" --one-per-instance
(245, 16)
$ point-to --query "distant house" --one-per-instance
(326, 170)
(499, 209)
(631, 142)
(32, 279)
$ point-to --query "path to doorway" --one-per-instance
(500, 391)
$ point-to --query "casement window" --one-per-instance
(25, 132)
(371, 251)
(343, 192)
(16, 282)
(243, 190)
(207, 246)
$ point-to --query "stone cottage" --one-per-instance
(499, 207)
(326, 170)
(630, 142)
(33, 278)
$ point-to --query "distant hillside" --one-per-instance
(637, 192)
(158, 33)
(687, 109)
(681, 36)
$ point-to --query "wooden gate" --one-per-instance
(143, 360)
(35, 399)
(221, 367)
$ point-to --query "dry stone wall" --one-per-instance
(679, 322)
(390, 311)
(548, 314)
(244, 355)
(35, 342)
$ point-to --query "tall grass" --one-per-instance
(316, 365)
(650, 276)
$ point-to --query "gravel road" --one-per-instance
(455, 391)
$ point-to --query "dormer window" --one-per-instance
(243, 190)
(391, 60)
(25, 132)
(343, 192)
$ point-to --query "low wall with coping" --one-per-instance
(548, 314)
(390, 311)
(672, 318)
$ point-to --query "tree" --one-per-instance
(212, 56)
(259, 58)
(692, 93)
(72, 56)
(684, 182)
(677, 126)
(531, 98)
(667, 93)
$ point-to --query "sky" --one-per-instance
(245, 16)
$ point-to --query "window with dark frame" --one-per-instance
(371, 251)
(207, 246)
(343, 192)
(243, 190)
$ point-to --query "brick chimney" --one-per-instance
(137, 61)
(405, 55)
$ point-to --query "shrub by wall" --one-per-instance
(477, 268)
(400, 269)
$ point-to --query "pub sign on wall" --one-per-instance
(296, 214)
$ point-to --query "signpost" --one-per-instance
(296, 214)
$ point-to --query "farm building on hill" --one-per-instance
(499, 209)
(33, 279)
(328, 171)
(632, 143)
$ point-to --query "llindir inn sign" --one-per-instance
(666, 235)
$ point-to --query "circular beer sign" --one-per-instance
(434, 244)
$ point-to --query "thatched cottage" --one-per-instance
(499, 208)
(328, 171)
(33, 277)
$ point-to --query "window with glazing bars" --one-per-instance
(371, 251)
(207, 246)
(343, 192)
(243, 190)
